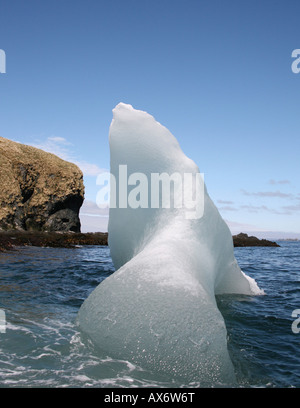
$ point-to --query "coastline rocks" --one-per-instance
(10, 240)
(243, 240)
(39, 191)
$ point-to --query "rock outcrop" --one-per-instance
(243, 240)
(39, 191)
(10, 240)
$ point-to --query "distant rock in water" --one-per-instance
(39, 191)
(243, 240)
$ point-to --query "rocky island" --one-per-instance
(39, 191)
(243, 240)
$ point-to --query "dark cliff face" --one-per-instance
(39, 191)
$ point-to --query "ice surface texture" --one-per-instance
(159, 309)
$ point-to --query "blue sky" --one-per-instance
(217, 74)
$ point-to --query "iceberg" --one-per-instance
(158, 310)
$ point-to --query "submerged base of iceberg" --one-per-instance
(158, 309)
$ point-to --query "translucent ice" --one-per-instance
(159, 309)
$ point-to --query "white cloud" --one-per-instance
(58, 139)
(90, 208)
(89, 169)
(93, 224)
(279, 182)
(267, 194)
(225, 202)
(55, 145)
(291, 209)
(237, 227)
(93, 218)
(227, 208)
(62, 148)
(258, 208)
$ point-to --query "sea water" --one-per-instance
(42, 289)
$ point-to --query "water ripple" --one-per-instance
(42, 290)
